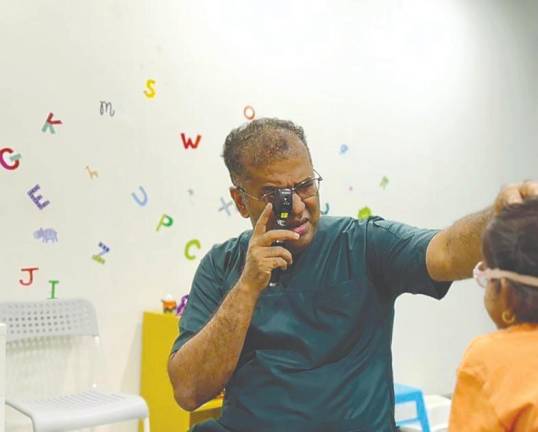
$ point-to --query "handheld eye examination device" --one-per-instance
(282, 206)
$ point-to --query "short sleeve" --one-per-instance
(204, 298)
(396, 255)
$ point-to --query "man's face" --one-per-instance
(281, 174)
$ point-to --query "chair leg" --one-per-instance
(146, 424)
(422, 414)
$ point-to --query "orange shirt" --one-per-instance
(497, 386)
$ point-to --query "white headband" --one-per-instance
(522, 279)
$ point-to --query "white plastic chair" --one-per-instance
(37, 335)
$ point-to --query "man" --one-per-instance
(312, 354)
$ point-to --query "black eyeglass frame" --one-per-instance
(267, 197)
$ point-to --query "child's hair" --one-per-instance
(510, 243)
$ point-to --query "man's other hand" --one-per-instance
(516, 193)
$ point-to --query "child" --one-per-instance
(497, 384)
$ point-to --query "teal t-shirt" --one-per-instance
(317, 356)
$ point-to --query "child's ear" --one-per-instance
(239, 202)
(507, 301)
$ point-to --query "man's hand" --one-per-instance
(262, 257)
(516, 193)
(200, 369)
(454, 252)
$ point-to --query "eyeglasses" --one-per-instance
(305, 189)
(483, 275)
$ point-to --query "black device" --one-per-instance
(282, 205)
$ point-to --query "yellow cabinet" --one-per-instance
(159, 331)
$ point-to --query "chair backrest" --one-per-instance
(59, 317)
(52, 348)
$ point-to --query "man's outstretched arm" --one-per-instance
(453, 252)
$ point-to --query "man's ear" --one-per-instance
(239, 202)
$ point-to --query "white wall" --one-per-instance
(440, 97)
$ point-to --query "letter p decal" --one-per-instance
(166, 221)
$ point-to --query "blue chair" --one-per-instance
(405, 394)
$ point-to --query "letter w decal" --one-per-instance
(187, 142)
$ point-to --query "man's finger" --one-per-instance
(279, 262)
(509, 195)
(512, 196)
(261, 224)
(281, 252)
(274, 235)
(529, 189)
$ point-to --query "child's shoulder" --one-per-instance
(498, 346)
(483, 343)
(482, 350)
